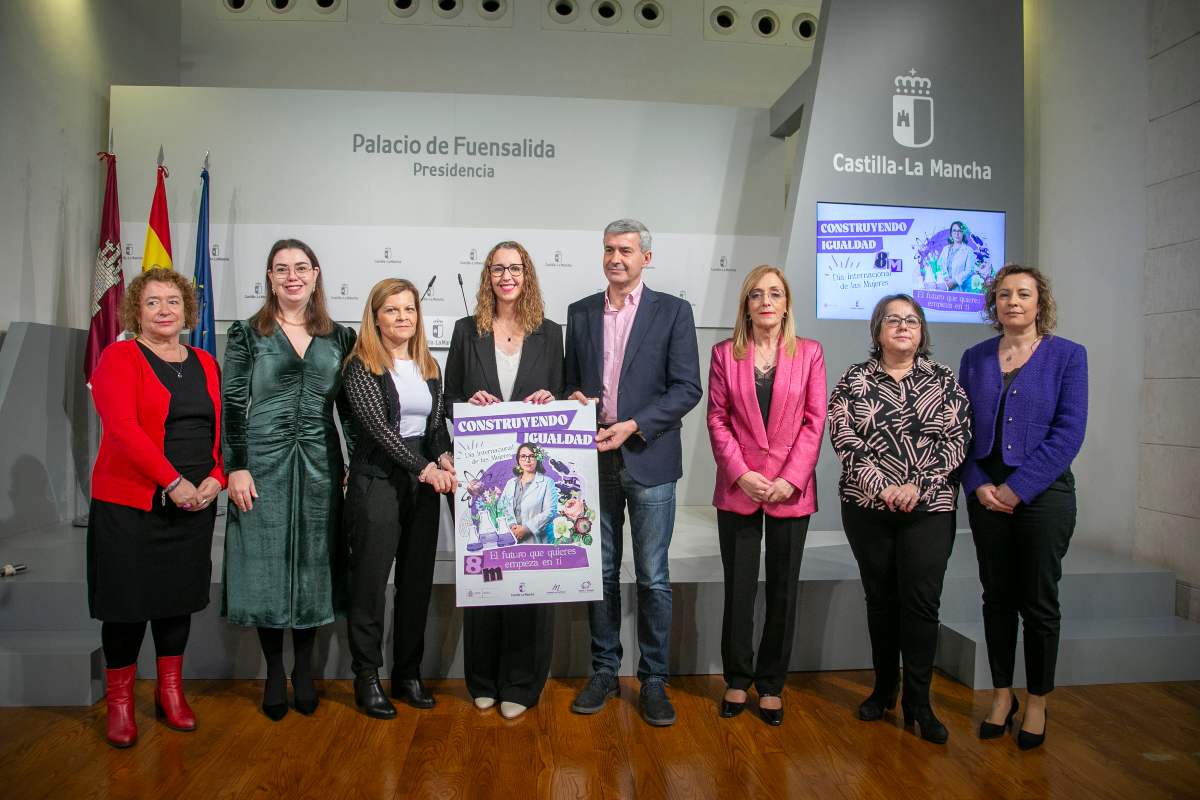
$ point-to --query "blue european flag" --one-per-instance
(204, 335)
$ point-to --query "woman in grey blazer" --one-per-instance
(530, 498)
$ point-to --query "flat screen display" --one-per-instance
(943, 257)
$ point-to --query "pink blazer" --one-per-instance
(787, 447)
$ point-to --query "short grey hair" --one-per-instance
(630, 226)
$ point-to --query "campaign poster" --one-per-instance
(942, 257)
(527, 526)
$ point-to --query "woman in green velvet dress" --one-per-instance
(282, 378)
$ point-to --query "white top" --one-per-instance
(416, 403)
(506, 371)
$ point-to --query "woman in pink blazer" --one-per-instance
(766, 415)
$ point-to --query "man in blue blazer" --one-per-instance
(634, 350)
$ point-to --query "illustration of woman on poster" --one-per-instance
(530, 498)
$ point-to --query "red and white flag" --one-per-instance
(108, 281)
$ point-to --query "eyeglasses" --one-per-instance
(300, 270)
(893, 321)
(775, 296)
(497, 270)
(527, 457)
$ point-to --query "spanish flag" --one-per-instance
(158, 231)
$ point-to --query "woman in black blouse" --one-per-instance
(507, 350)
(900, 424)
(401, 464)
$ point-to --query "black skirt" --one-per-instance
(148, 564)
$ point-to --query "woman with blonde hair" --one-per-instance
(766, 414)
(508, 351)
(1029, 396)
(282, 379)
(401, 464)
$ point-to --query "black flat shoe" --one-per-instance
(369, 696)
(871, 709)
(990, 730)
(275, 711)
(413, 692)
(929, 726)
(1029, 741)
(771, 716)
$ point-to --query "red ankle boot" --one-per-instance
(169, 702)
(122, 728)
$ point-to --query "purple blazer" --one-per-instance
(1044, 417)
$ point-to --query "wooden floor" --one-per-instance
(1132, 741)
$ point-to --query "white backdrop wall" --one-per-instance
(375, 183)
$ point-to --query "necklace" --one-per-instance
(176, 366)
(1012, 353)
(765, 361)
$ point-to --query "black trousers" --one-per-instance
(902, 559)
(1020, 564)
(506, 651)
(741, 537)
(390, 518)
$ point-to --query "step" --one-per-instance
(51, 668)
(1091, 651)
(1094, 585)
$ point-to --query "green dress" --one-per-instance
(283, 558)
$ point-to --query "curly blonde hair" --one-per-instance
(1047, 316)
(531, 309)
(131, 303)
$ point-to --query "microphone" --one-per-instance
(464, 294)
(8, 570)
(428, 288)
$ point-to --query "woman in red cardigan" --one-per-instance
(766, 413)
(153, 486)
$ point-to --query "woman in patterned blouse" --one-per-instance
(900, 424)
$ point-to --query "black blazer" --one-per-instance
(376, 407)
(471, 363)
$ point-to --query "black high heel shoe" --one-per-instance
(274, 703)
(990, 730)
(929, 726)
(771, 716)
(1028, 741)
(871, 709)
(304, 696)
(731, 709)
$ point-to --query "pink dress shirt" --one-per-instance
(617, 324)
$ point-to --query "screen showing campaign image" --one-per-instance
(942, 257)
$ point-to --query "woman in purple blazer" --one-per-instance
(1028, 391)
(766, 414)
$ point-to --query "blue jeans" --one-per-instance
(651, 521)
